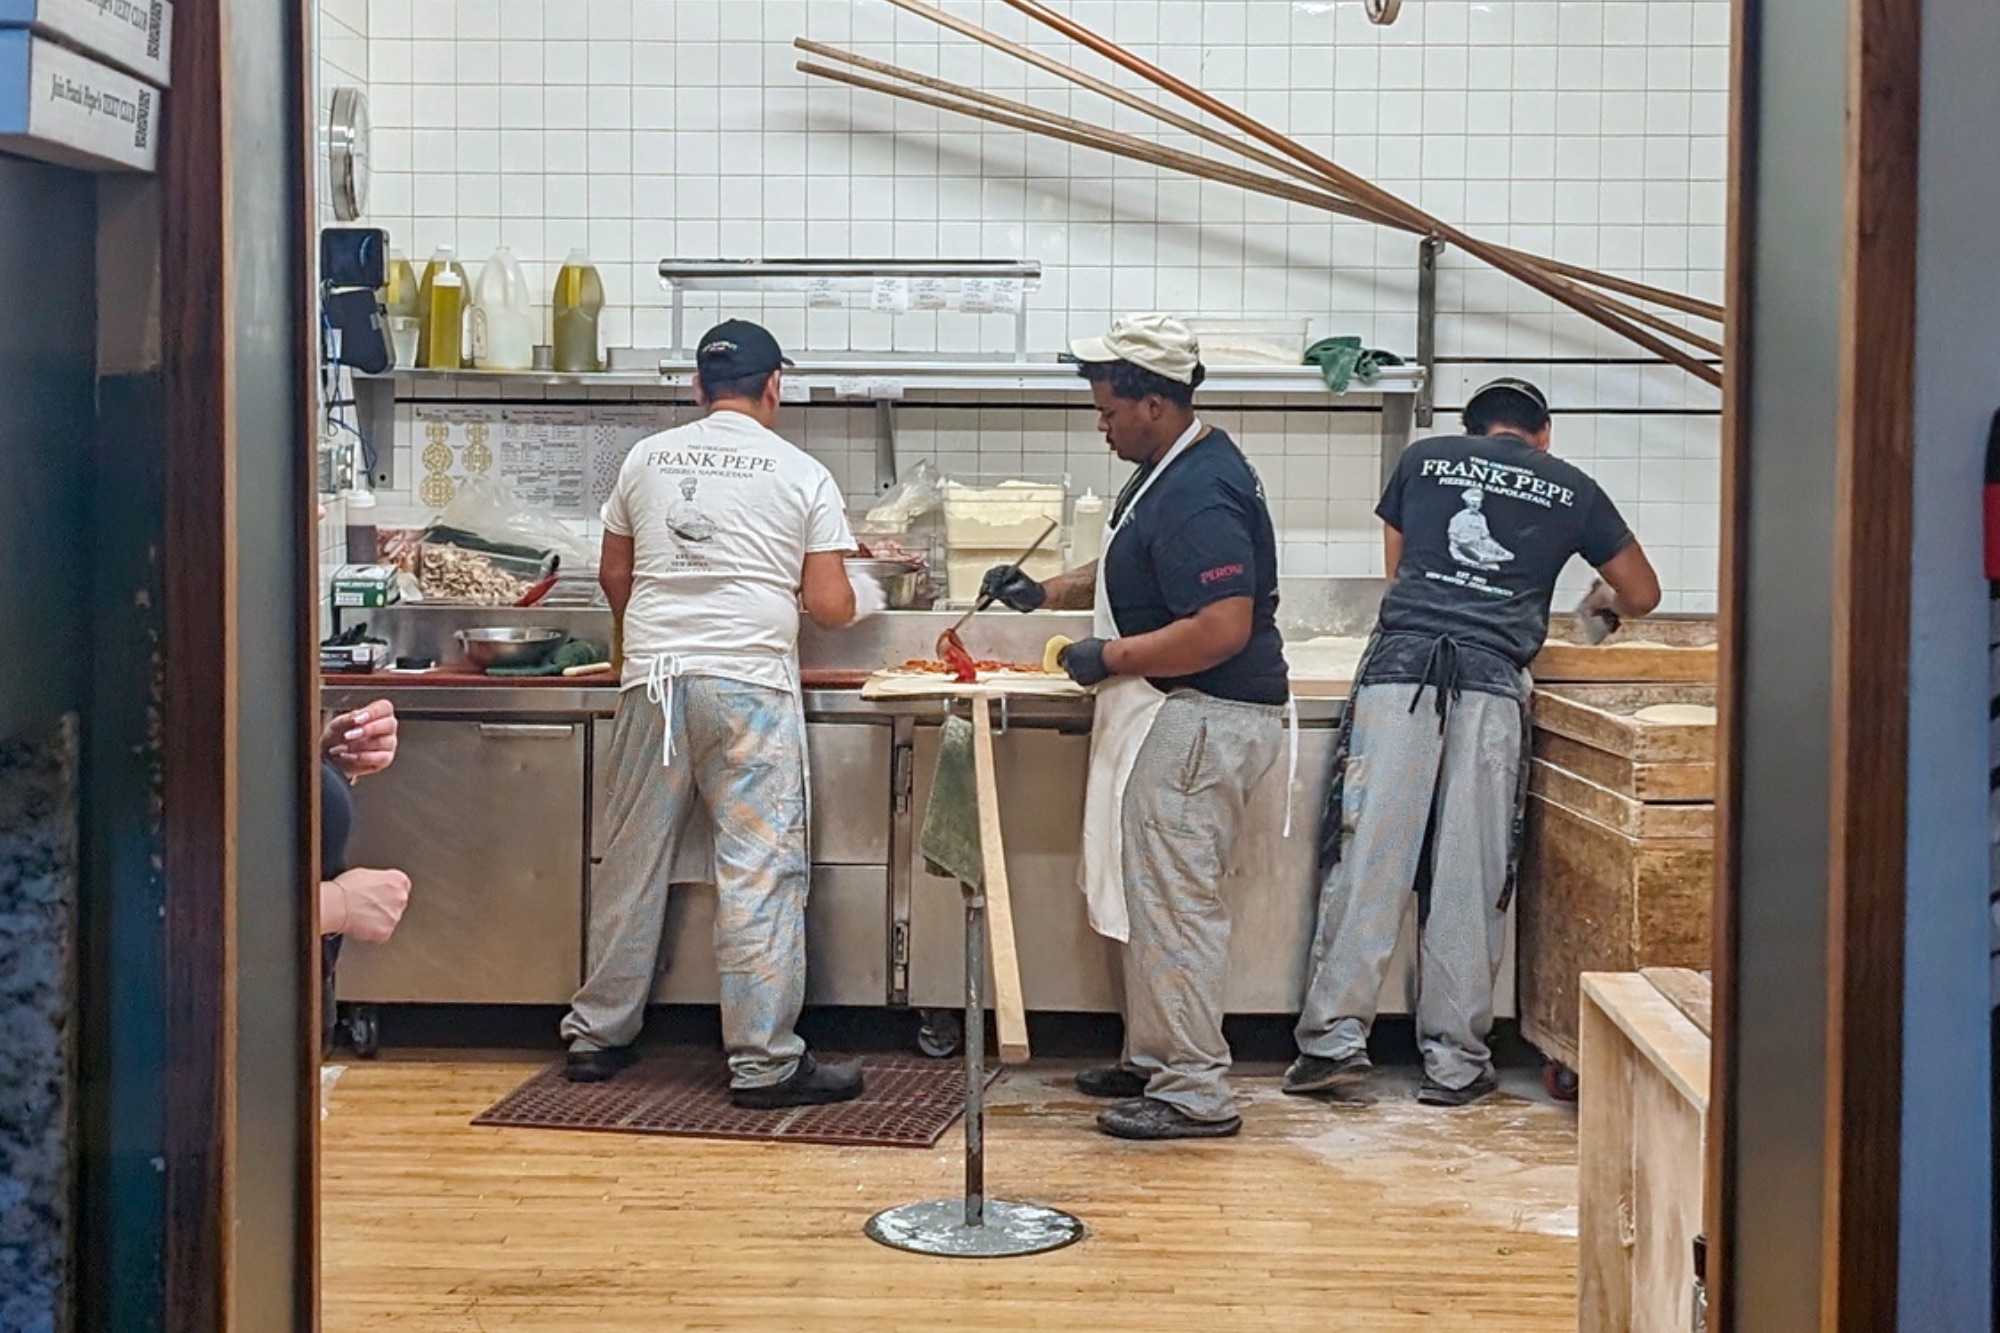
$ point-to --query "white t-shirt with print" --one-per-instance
(722, 514)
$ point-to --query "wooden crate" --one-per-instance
(1595, 899)
(1641, 1151)
(1591, 730)
(1659, 648)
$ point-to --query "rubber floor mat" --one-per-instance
(908, 1102)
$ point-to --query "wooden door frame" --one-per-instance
(237, 370)
(206, 627)
(1868, 715)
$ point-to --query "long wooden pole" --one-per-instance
(1365, 192)
(1209, 134)
(1033, 120)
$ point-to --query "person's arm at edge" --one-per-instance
(1634, 583)
(823, 587)
(1392, 551)
(1187, 647)
(1074, 590)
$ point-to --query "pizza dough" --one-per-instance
(1677, 715)
(1327, 658)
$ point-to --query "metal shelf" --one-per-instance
(891, 379)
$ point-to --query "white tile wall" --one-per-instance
(343, 61)
(644, 129)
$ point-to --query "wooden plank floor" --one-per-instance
(1385, 1218)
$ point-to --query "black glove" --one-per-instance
(1010, 587)
(1084, 661)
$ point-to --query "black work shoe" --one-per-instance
(1149, 1118)
(1113, 1081)
(597, 1065)
(811, 1084)
(1316, 1073)
(1434, 1093)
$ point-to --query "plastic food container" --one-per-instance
(1274, 341)
(1007, 517)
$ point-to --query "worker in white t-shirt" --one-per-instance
(715, 536)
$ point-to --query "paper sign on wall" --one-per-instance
(891, 296)
(823, 294)
(975, 296)
(928, 294)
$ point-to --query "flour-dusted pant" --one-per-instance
(738, 758)
(1399, 764)
(1183, 813)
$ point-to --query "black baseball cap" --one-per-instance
(736, 349)
(1508, 384)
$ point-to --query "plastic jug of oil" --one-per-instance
(399, 294)
(442, 261)
(503, 315)
(579, 299)
(444, 321)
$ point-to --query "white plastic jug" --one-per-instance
(503, 315)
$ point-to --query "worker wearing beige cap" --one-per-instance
(1429, 781)
(1192, 700)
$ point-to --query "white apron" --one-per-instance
(1126, 706)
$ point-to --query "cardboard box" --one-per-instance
(134, 35)
(66, 108)
(364, 587)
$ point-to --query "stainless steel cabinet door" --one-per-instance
(1065, 966)
(850, 791)
(487, 821)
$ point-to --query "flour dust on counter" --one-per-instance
(1387, 1216)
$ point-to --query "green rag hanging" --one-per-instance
(575, 653)
(1341, 361)
(950, 839)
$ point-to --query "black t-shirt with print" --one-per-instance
(1201, 534)
(1488, 524)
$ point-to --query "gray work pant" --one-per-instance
(738, 758)
(1183, 812)
(1399, 764)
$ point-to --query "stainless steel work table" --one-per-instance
(495, 808)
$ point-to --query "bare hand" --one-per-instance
(363, 742)
(374, 902)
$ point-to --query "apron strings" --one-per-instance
(661, 673)
(1292, 766)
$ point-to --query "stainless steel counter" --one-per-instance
(500, 787)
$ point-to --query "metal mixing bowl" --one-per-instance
(506, 646)
(902, 581)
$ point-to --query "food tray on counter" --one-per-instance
(990, 685)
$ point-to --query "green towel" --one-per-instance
(950, 840)
(575, 653)
(1343, 360)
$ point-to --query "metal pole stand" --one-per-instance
(975, 1227)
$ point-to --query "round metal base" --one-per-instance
(938, 1227)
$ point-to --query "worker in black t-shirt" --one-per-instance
(1192, 703)
(1429, 782)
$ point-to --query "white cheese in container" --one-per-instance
(1010, 515)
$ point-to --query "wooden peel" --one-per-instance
(1009, 1005)
(1363, 192)
(1321, 194)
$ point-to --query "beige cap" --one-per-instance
(1155, 342)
